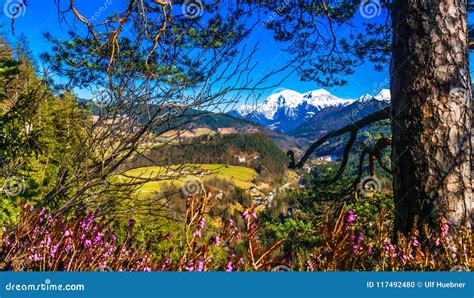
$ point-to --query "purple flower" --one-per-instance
(202, 223)
(131, 223)
(197, 233)
(353, 237)
(87, 223)
(369, 249)
(389, 249)
(229, 267)
(444, 230)
(309, 265)
(68, 233)
(416, 242)
(35, 258)
(217, 240)
(350, 217)
(200, 266)
(165, 265)
(97, 239)
(248, 213)
(68, 246)
(168, 236)
(54, 250)
(87, 243)
(190, 267)
(46, 242)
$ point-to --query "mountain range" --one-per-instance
(309, 115)
(292, 120)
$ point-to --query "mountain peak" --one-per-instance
(384, 95)
(289, 98)
(286, 109)
(365, 97)
(319, 92)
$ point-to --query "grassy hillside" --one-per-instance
(241, 177)
(260, 152)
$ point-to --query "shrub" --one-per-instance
(347, 247)
(43, 242)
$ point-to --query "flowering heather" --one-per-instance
(249, 212)
(350, 217)
(42, 242)
(346, 247)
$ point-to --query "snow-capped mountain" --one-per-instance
(334, 118)
(383, 95)
(285, 110)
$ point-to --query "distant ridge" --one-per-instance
(286, 110)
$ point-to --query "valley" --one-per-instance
(247, 150)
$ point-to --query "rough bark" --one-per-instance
(431, 111)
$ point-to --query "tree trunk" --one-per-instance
(432, 115)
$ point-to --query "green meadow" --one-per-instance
(241, 177)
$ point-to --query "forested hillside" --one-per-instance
(257, 150)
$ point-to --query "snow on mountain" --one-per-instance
(291, 101)
(288, 99)
(323, 99)
(384, 95)
(365, 97)
(329, 119)
(287, 109)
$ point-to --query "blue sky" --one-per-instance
(41, 16)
